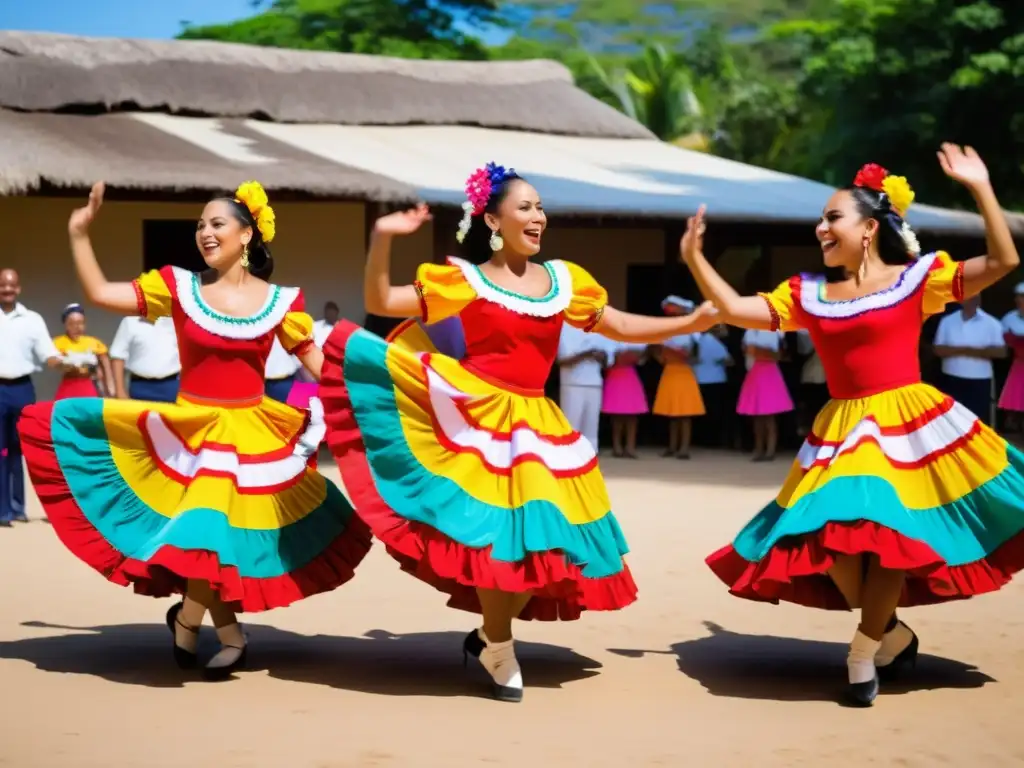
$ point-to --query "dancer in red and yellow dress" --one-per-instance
(899, 496)
(217, 495)
(473, 479)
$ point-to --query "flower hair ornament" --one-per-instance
(252, 195)
(899, 194)
(480, 186)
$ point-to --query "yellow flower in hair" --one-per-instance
(899, 192)
(266, 224)
(252, 195)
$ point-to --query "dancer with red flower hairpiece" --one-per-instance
(473, 479)
(900, 496)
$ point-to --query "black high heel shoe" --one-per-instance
(862, 694)
(907, 658)
(472, 646)
(226, 671)
(183, 658)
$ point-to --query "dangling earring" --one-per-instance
(497, 242)
(245, 256)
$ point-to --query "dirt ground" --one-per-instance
(372, 675)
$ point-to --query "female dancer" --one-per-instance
(472, 478)
(215, 496)
(899, 496)
(763, 395)
(84, 358)
(1012, 397)
(623, 397)
(678, 397)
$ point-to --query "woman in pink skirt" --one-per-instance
(1012, 397)
(763, 394)
(624, 398)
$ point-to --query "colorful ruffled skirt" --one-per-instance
(909, 475)
(764, 391)
(678, 393)
(468, 485)
(152, 494)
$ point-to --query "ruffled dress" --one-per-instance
(220, 486)
(463, 468)
(892, 466)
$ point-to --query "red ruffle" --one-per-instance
(166, 572)
(559, 589)
(795, 570)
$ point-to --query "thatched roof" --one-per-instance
(43, 72)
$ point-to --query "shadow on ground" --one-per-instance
(790, 669)
(417, 664)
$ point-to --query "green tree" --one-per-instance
(901, 76)
(434, 29)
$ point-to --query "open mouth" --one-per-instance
(532, 235)
(828, 245)
(210, 245)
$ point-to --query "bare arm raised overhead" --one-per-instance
(379, 295)
(117, 297)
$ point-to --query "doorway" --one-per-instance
(170, 242)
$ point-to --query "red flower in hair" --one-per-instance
(871, 176)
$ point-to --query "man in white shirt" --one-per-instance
(149, 352)
(282, 369)
(710, 366)
(582, 357)
(322, 328)
(968, 341)
(25, 345)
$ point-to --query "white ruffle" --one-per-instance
(279, 301)
(556, 302)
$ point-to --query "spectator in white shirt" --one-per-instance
(322, 328)
(281, 371)
(713, 359)
(968, 341)
(25, 345)
(581, 359)
(148, 351)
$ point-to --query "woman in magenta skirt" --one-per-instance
(763, 395)
(1012, 397)
(624, 398)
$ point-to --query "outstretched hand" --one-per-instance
(963, 164)
(692, 241)
(403, 222)
(82, 217)
(705, 317)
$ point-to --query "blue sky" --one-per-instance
(117, 18)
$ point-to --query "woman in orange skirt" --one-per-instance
(678, 395)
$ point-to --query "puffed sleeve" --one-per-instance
(944, 283)
(61, 344)
(443, 291)
(152, 294)
(589, 298)
(98, 347)
(296, 329)
(786, 314)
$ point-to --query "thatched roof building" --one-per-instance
(189, 117)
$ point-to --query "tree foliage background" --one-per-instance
(813, 87)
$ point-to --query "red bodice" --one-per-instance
(509, 348)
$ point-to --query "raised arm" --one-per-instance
(741, 311)
(117, 297)
(965, 166)
(641, 329)
(380, 296)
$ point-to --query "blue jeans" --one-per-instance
(278, 389)
(15, 394)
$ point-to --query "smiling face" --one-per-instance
(10, 289)
(520, 219)
(220, 236)
(843, 230)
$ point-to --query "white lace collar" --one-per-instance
(555, 302)
(814, 302)
(270, 315)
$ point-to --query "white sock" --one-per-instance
(893, 643)
(860, 662)
(499, 659)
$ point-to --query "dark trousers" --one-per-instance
(154, 390)
(15, 394)
(975, 394)
(279, 389)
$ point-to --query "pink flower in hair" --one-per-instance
(478, 190)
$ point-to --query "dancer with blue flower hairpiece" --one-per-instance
(474, 480)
